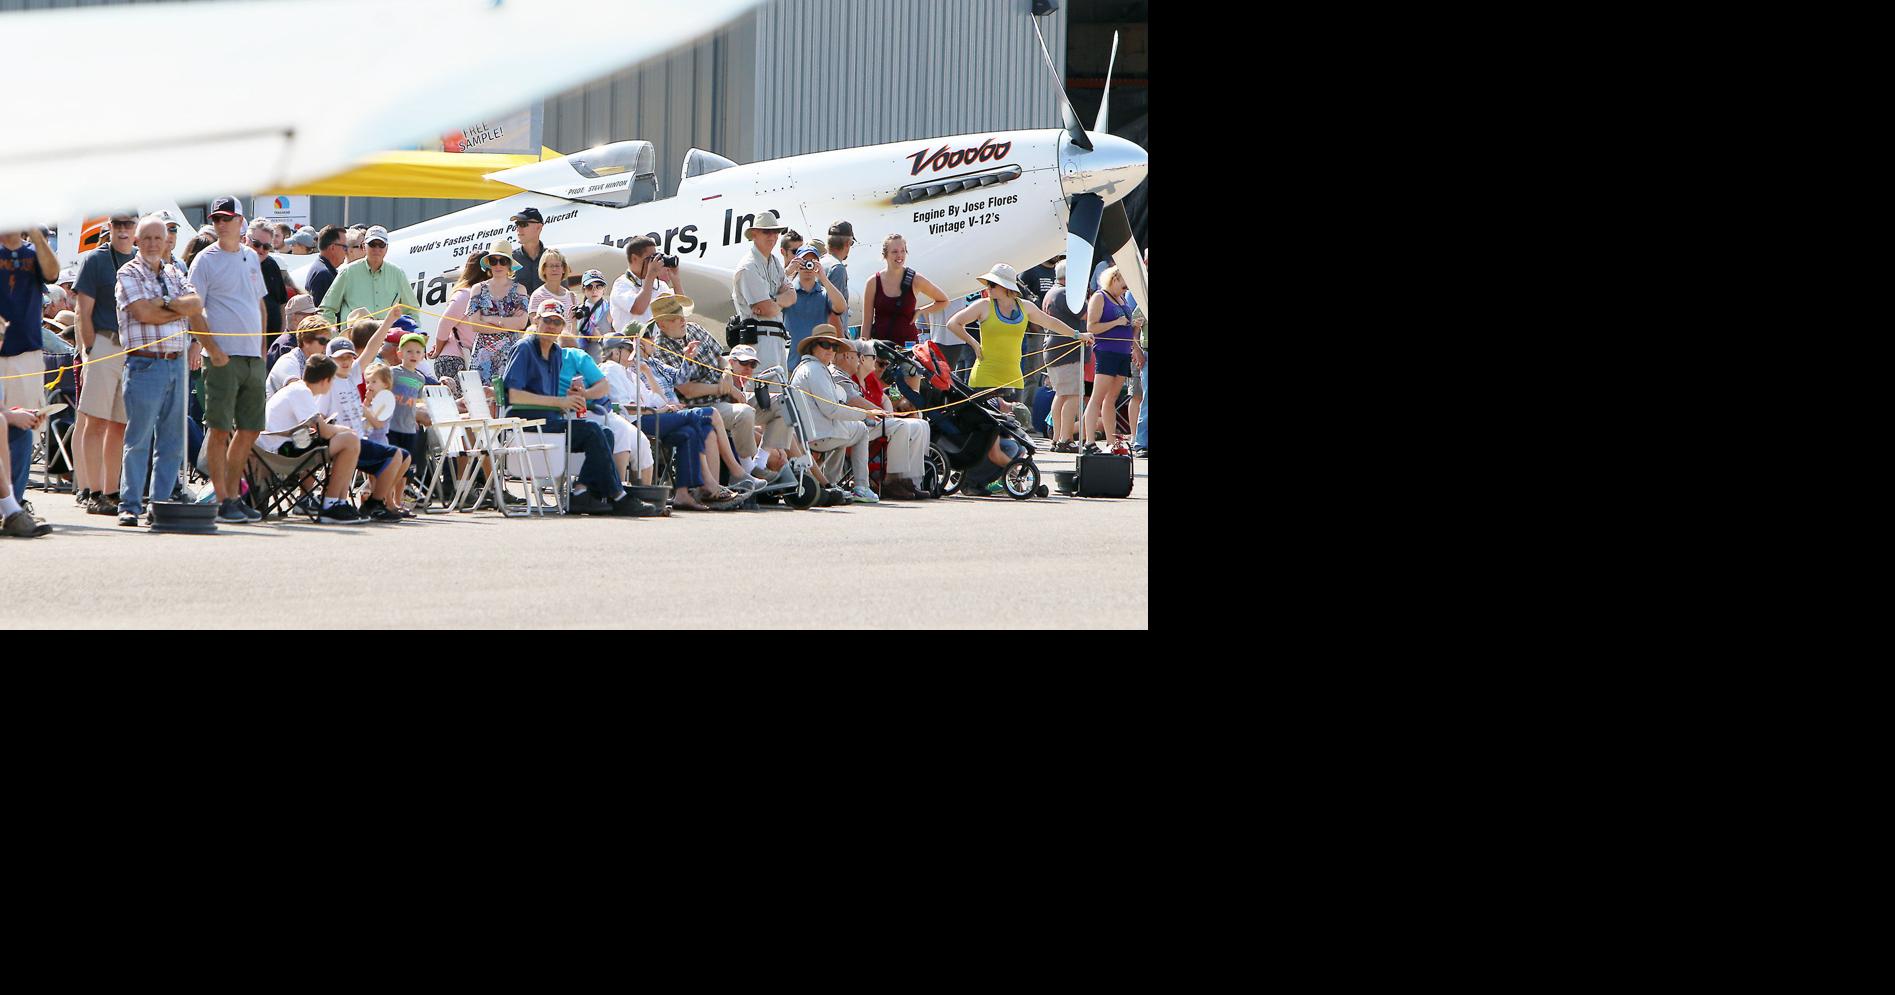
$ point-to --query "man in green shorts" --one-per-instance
(229, 276)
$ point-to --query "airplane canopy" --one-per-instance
(697, 162)
(617, 175)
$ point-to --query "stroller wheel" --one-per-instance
(1022, 480)
(805, 495)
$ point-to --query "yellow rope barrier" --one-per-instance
(61, 370)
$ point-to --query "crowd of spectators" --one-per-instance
(216, 336)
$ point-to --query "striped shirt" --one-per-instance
(137, 282)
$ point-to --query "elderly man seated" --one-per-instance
(542, 374)
(692, 430)
(833, 423)
(702, 379)
(907, 437)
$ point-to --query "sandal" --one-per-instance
(689, 504)
(722, 496)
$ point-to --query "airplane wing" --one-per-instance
(413, 70)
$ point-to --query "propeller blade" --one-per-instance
(1069, 118)
(1082, 234)
(1105, 98)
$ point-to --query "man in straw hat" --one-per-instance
(703, 381)
(761, 291)
(371, 282)
(832, 422)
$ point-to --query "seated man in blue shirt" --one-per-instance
(542, 374)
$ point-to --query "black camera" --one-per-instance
(669, 262)
(740, 331)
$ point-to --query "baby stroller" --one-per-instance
(961, 435)
(794, 484)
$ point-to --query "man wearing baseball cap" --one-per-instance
(24, 272)
(229, 276)
(527, 225)
(841, 243)
(370, 282)
(541, 375)
(101, 431)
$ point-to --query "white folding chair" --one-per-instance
(450, 434)
(515, 452)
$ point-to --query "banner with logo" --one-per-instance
(512, 134)
(273, 208)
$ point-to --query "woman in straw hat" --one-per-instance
(1003, 315)
(496, 308)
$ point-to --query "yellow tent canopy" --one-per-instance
(440, 175)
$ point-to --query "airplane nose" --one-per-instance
(1113, 168)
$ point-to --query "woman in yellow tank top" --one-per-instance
(1003, 316)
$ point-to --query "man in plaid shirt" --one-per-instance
(702, 380)
(155, 303)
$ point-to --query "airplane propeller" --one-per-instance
(1095, 229)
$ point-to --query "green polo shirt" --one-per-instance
(356, 286)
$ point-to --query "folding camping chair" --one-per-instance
(275, 480)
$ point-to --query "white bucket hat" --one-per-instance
(765, 222)
(1002, 275)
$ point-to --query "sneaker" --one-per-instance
(127, 520)
(628, 505)
(22, 525)
(228, 513)
(865, 495)
(586, 504)
(1142, 453)
(103, 504)
(996, 487)
(27, 506)
(250, 513)
(340, 514)
(83, 498)
(380, 512)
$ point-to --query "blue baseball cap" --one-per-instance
(405, 324)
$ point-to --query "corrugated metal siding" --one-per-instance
(795, 76)
(833, 74)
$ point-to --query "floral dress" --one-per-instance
(492, 347)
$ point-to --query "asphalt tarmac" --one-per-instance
(958, 563)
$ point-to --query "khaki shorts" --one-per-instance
(27, 391)
(233, 395)
(104, 393)
(1065, 380)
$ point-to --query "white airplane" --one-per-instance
(963, 202)
(221, 128)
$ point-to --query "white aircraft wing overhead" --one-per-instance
(414, 70)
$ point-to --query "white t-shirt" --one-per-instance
(346, 405)
(288, 408)
(288, 367)
(624, 292)
(629, 390)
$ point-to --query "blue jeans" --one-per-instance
(1144, 407)
(689, 430)
(153, 391)
(20, 452)
(598, 473)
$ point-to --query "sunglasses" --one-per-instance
(124, 224)
(743, 362)
(262, 243)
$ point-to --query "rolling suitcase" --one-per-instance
(1104, 475)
